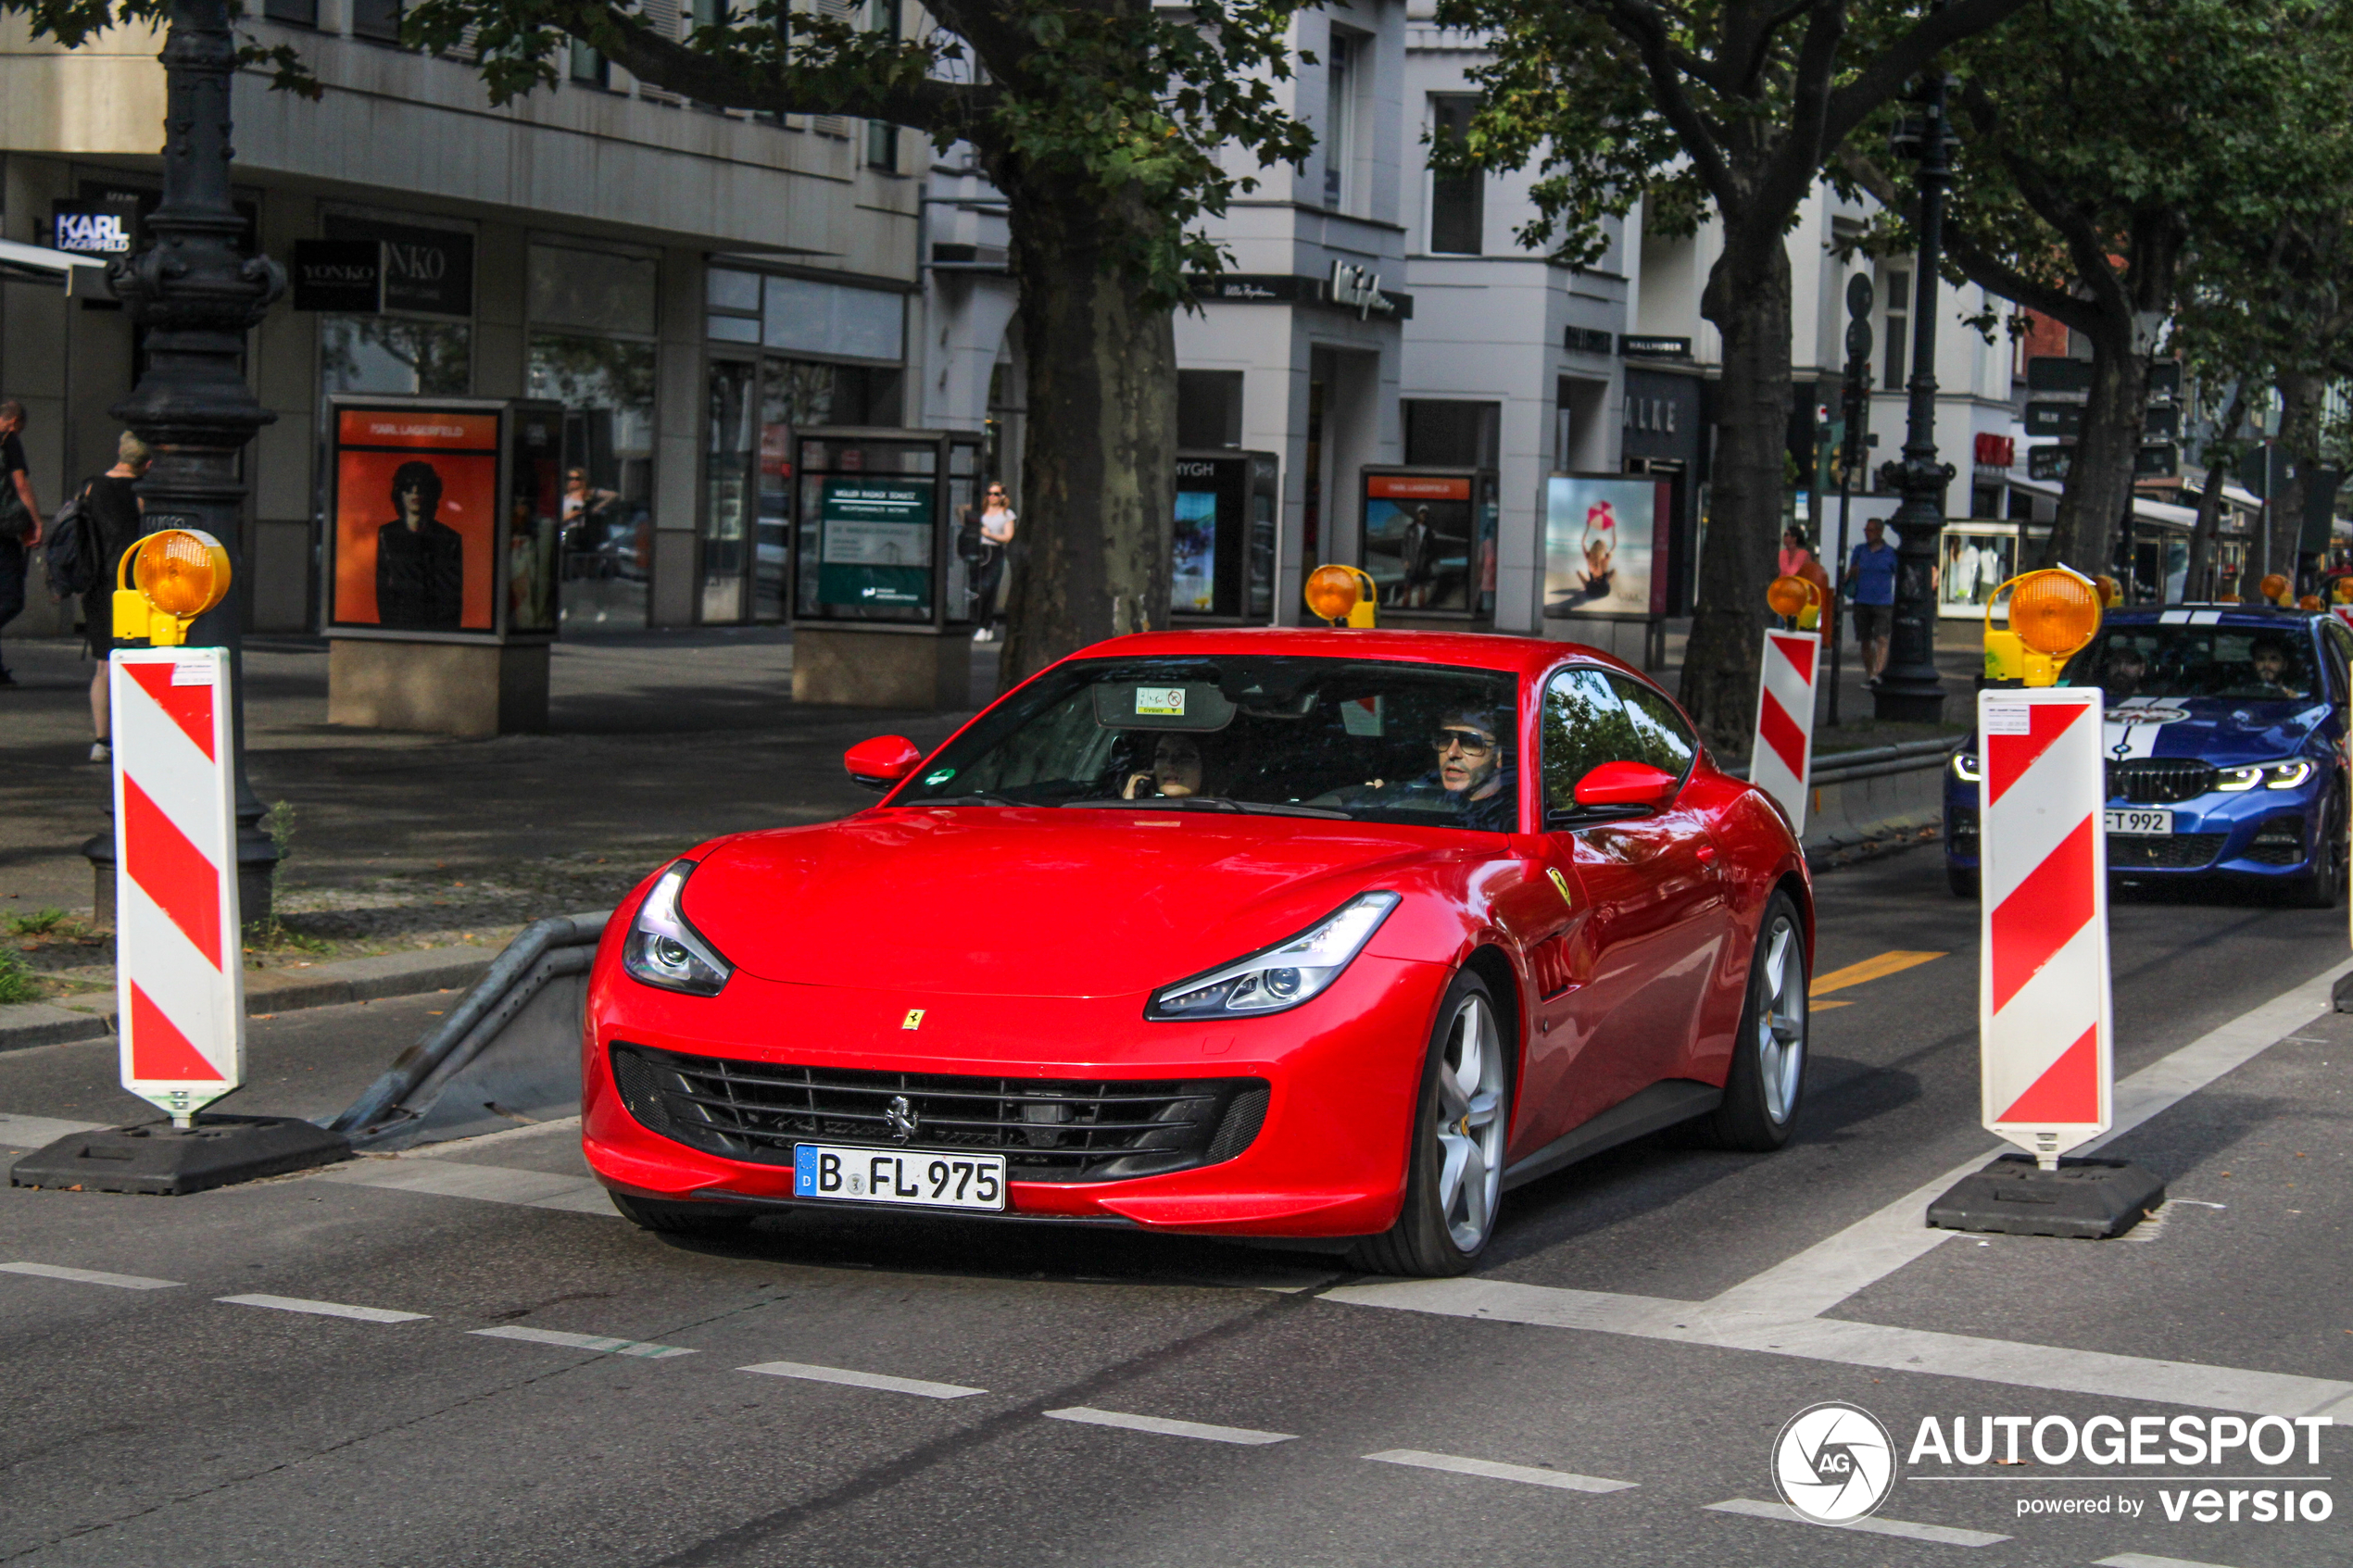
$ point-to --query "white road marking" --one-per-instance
(2142, 1559)
(1529, 1473)
(488, 1183)
(89, 1276)
(1943, 1534)
(39, 1132)
(1779, 1310)
(584, 1342)
(324, 1308)
(1167, 1428)
(864, 1380)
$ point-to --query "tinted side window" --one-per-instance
(1584, 726)
(2339, 642)
(1665, 743)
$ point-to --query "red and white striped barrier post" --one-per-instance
(2047, 1068)
(1780, 759)
(178, 952)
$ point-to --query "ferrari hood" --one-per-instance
(1033, 902)
(2224, 731)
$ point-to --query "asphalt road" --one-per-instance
(1607, 1389)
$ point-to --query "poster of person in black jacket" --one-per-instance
(421, 561)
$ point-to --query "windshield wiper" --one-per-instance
(976, 798)
(1217, 803)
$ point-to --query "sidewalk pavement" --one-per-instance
(415, 844)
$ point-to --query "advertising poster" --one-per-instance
(416, 519)
(875, 544)
(1194, 585)
(1599, 547)
(1417, 539)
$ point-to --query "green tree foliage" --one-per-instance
(1114, 130)
(2116, 155)
(1722, 108)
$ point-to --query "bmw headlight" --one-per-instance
(1283, 975)
(1966, 767)
(2270, 775)
(664, 949)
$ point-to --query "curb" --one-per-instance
(1886, 837)
(26, 1025)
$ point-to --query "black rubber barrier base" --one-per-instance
(168, 1162)
(2084, 1199)
(2341, 998)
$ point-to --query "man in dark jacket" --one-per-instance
(421, 561)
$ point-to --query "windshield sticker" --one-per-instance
(1362, 716)
(939, 776)
(1160, 702)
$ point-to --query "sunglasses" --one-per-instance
(1471, 742)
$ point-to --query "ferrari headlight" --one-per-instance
(663, 949)
(1283, 975)
(1966, 767)
(2286, 776)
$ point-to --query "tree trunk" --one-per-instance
(2300, 397)
(2099, 480)
(1098, 457)
(1748, 299)
(2221, 460)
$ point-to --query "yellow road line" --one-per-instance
(1869, 968)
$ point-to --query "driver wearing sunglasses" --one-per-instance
(1470, 770)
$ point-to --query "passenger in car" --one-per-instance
(1176, 771)
(2269, 658)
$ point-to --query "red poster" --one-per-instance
(416, 528)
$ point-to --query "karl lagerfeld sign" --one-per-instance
(87, 229)
(343, 275)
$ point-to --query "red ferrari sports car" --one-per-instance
(1327, 937)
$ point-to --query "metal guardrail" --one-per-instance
(544, 951)
(1908, 757)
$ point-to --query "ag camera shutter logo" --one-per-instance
(1834, 1463)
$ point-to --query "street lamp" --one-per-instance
(1909, 689)
(195, 297)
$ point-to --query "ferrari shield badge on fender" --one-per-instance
(914, 1018)
(1561, 881)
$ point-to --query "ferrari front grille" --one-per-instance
(2159, 781)
(1049, 1130)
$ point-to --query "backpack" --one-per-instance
(71, 552)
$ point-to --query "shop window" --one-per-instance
(606, 552)
(299, 13)
(379, 19)
(1209, 409)
(593, 289)
(1444, 433)
(1457, 202)
(803, 315)
(392, 354)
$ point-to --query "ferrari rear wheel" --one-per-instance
(1768, 1054)
(1453, 1181)
(683, 1219)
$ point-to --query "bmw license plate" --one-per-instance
(919, 1178)
(2140, 822)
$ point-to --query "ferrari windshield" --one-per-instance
(2248, 663)
(1356, 739)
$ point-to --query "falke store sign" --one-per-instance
(430, 272)
(342, 275)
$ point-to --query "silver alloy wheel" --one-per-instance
(1780, 1019)
(1470, 1126)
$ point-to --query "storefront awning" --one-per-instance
(25, 263)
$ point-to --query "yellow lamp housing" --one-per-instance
(179, 573)
(2342, 590)
(2052, 615)
(1342, 596)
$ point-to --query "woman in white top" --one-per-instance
(996, 520)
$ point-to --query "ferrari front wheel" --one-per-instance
(1453, 1179)
(1768, 1054)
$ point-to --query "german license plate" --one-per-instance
(918, 1178)
(2141, 823)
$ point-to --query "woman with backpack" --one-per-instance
(111, 504)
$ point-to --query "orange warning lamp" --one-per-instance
(2310, 601)
(2273, 588)
(1343, 595)
(2111, 591)
(2052, 614)
(1795, 599)
(180, 573)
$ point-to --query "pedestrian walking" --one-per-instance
(19, 519)
(111, 503)
(1873, 575)
(997, 521)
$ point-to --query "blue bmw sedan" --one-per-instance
(2226, 741)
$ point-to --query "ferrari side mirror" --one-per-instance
(1626, 783)
(881, 762)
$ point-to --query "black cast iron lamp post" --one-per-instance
(197, 296)
(1909, 689)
